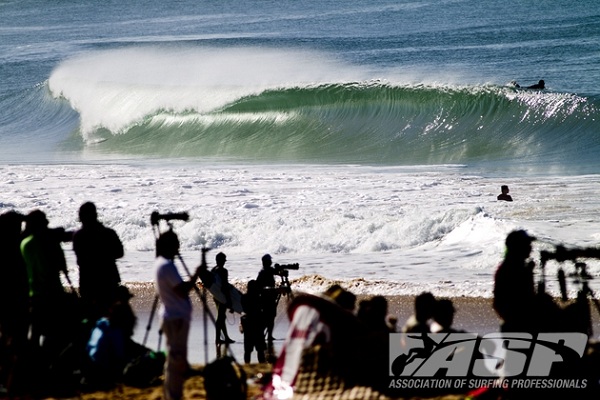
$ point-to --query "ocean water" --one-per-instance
(364, 140)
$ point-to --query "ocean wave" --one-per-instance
(225, 108)
(372, 124)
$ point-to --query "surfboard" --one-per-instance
(212, 282)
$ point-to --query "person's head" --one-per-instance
(123, 294)
(344, 298)
(504, 189)
(443, 312)
(88, 213)
(267, 261)
(379, 306)
(518, 244)
(220, 259)
(122, 316)
(36, 221)
(542, 83)
(424, 304)
(252, 286)
(167, 245)
(11, 224)
(373, 310)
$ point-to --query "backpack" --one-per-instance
(144, 370)
(224, 378)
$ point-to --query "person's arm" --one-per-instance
(116, 244)
(183, 289)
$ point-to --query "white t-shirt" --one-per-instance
(167, 278)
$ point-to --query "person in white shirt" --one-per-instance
(176, 313)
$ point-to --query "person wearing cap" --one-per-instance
(220, 323)
(268, 295)
(514, 292)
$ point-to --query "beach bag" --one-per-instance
(224, 378)
(144, 370)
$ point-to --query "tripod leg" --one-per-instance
(154, 305)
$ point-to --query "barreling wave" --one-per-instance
(262, 110)
(374, 123)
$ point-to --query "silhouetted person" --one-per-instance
(45, 260)
(14, 303)
(373, 313)
(443, 317)
(176, 312)
(514, 291)
(220, 323)
(110, 346)
(97, 248)
(419, 321)
(343, 297)
(252, 323)
(540, 85)
(504, 195)
(268, 295)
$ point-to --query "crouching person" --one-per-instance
(111, 347)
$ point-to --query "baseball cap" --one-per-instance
(518, 238)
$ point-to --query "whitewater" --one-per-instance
(392, 230)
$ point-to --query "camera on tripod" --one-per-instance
(562, 254)
(155, 217)
(580, 276)
(284, 270)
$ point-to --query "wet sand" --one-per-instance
(472, 315)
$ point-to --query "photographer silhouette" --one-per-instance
(268, 295)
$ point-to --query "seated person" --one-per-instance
(504, 195)
(326, 337)
(374, 314)
(110, 346)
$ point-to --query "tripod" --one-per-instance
(207, 314)
(283, 289)
(579, 314)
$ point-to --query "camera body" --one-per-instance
(283, 270)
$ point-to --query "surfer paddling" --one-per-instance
(539, 86)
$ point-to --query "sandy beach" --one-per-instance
(472, 314)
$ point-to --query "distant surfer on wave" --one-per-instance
(540, 85)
